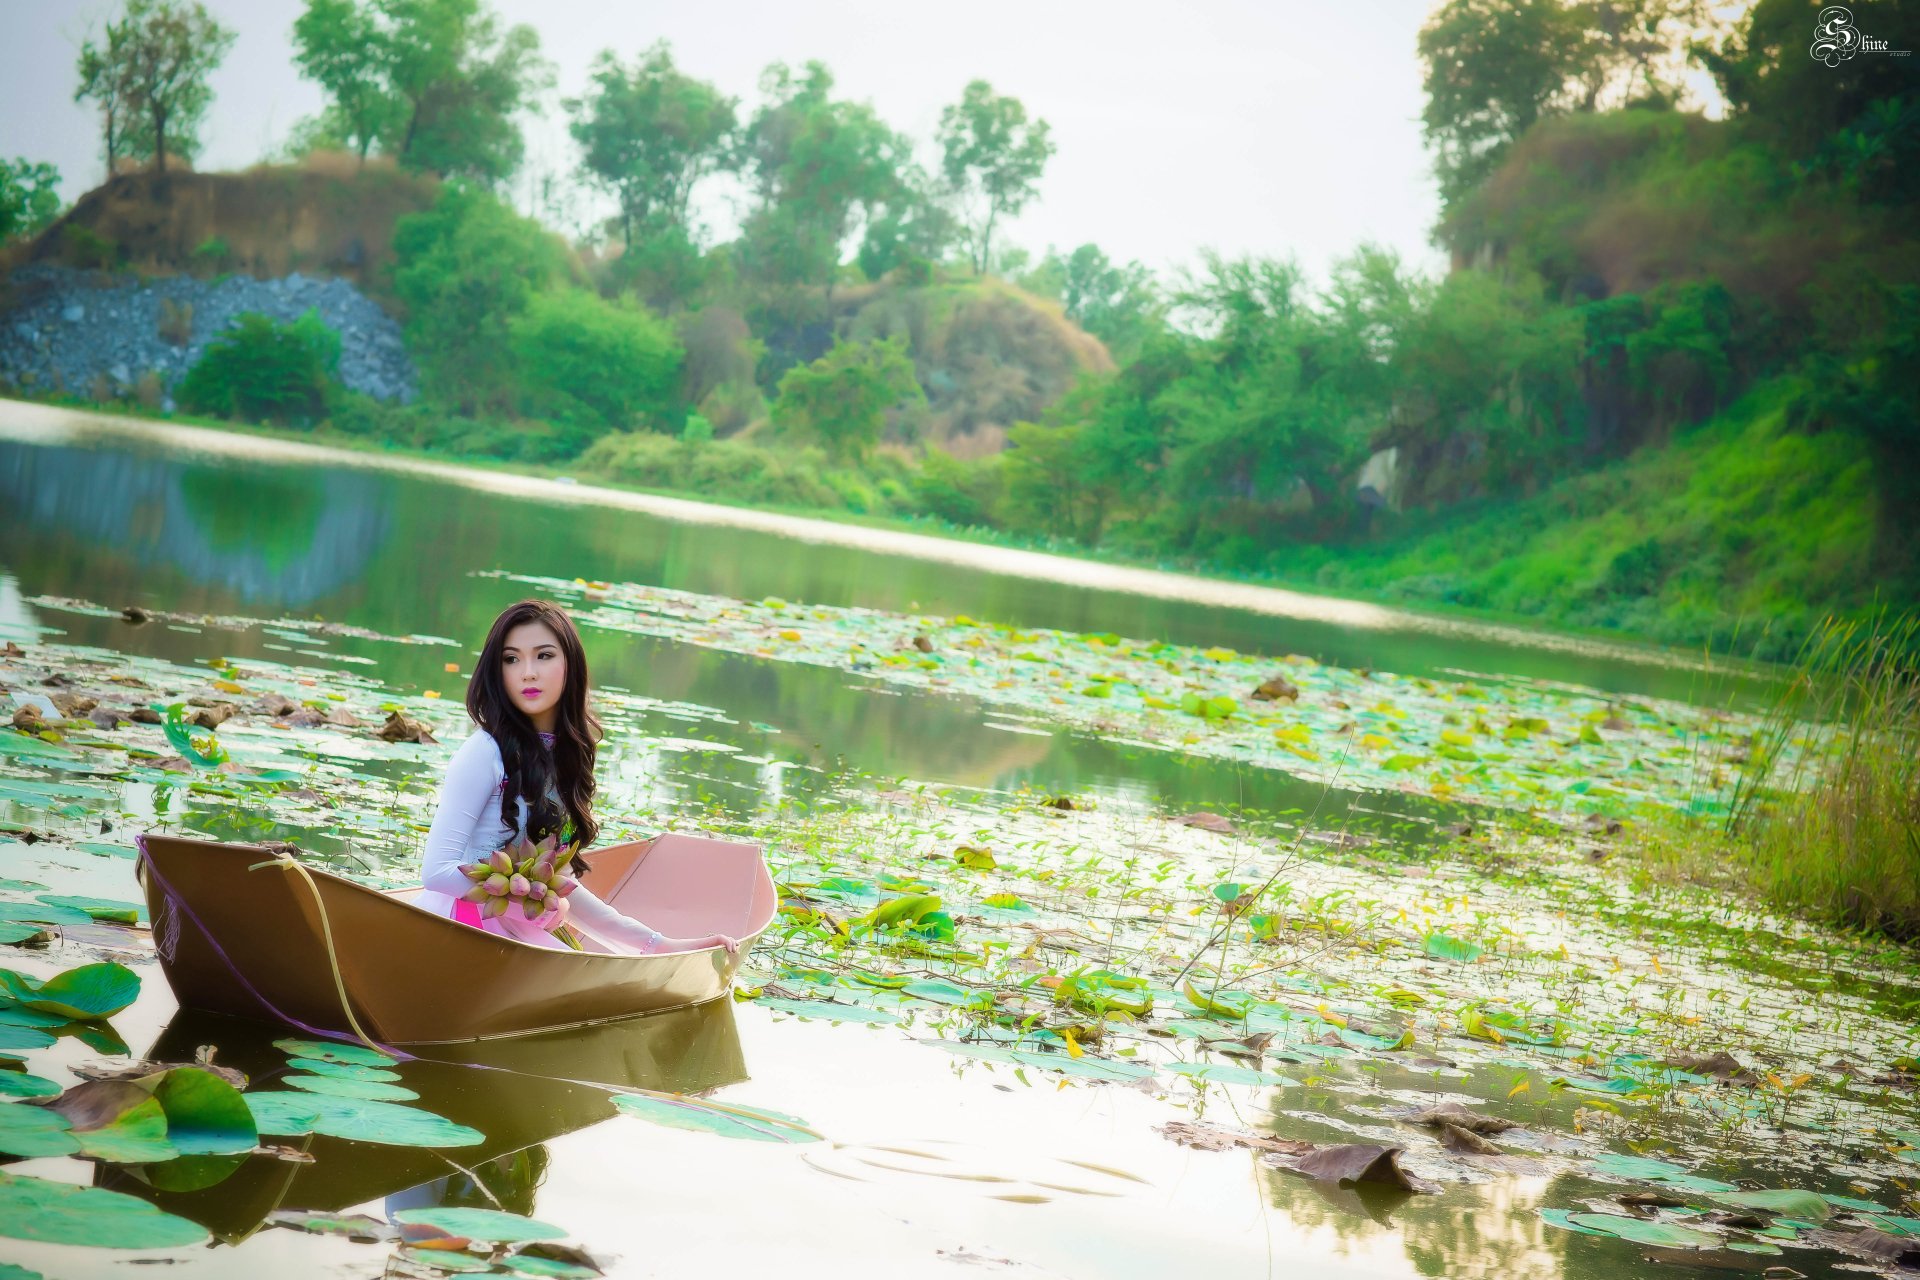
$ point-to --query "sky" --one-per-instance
(1271, 128)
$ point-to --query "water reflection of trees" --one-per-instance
(263, 536)
(1491, 1230)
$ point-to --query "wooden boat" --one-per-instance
(246, 931)
(520, 1093)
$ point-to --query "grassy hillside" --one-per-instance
(1741, 531)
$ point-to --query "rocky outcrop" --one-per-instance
(80, 332)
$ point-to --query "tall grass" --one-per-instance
(1828, 816)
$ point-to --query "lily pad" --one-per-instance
(341, 1070)
(1563, 1218)
(348, 1087)
(13, 933)
(330, 1051)
(20, 1084)
(1643, 1169)
(752, 1123)
(533, 1264)
(830, 1010)
(482, 1224)
(42, 913)
(83, 994)
(452, 1261)
(206, 1116)
(1806, 1205)
(109, 910)
(30, 1131)
(1454, 950)
(61, 1213)
(1227, 1073)
(356, 1119)
(1669, 1235)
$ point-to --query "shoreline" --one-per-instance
(45, 424)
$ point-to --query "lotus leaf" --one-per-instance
(29, 1131)
(482, 1224)
(83, 994)
(1442, 946)
(357, 1119)
(349, 1087)
(206, 1116)
(1807, 1205)
(20, 1084)
(61, 1213)
(344, 1070)
(1670, 1235)
(728, 1120)
(110, 910)
(330, 1051)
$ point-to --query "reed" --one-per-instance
(1827, 818)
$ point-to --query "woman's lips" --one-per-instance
(531, 695)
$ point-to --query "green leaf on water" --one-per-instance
(1563, 1218)
(451, 1261)
(1228, 892)
(1227, 1073)
(349, 1087)
(330, 1051)
(29, 1132)
(752, 1123)
(343, 1070)
(15, 1038)
(1220, 1004)
(108, 910)
(482, 1224)
(1786, 1203)
(137, 1135)
(829, 1010)
(1669, 1235)
(19, 1084)
(206, 1116)
(84, 994)
(939, 991)
(42, 913)
(1643, 1169)
(390, 1124)
(13, 933)
(10, 1272)
(61, 1213)
(533, 1264)
(1442, 946)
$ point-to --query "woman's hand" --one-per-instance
(722, 940)
(699, 944)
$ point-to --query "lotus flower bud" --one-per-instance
(497, 885)
(518, 886)
(536, 891)
(529, 908)
(495, 908)
(565, 885)
(475, 870)
(560, 908)
(500, 862)
(476, 894)
(542, 870)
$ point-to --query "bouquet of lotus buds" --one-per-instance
(526, 876)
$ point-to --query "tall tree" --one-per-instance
(1120, 305)
(817, 166)
(153, 67)
(340, 46)
(460, 79)
(648, 135)
(992, 157)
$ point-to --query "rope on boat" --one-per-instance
(285, 860)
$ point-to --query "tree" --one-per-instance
(1120, 305)
(816, 165)
(648, 135)
(341, 47)
(842, 398)
(1496, 66)
(29, 197)
(153, 68)
(460, 79)
(436, 83)
(992, 159)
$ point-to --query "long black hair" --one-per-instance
(532, 770)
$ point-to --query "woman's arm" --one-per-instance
(469, 796)
(597, 917)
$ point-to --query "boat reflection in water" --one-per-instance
(519, 1092)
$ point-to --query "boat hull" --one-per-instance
(239, 933)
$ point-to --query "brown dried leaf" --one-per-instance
(121, 1070)
(1452, 1113)
(399, 728)
(1465, 1141)
(1207, 822)
(1208, 1137)
(1356, 1162)
(1277, 689)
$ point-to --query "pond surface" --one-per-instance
(1056, 883)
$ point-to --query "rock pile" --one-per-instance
(67, 329)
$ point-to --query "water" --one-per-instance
(936, 1159)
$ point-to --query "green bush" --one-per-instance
(465, 270)
(586, 362)
(736, 471)
(263, 371)
(432, 429)
(841, 400)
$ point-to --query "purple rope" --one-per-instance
(177, 899)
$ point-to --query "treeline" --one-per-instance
(1626, 271)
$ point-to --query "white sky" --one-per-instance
(1264, 127)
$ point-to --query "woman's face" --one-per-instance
(535, 671)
